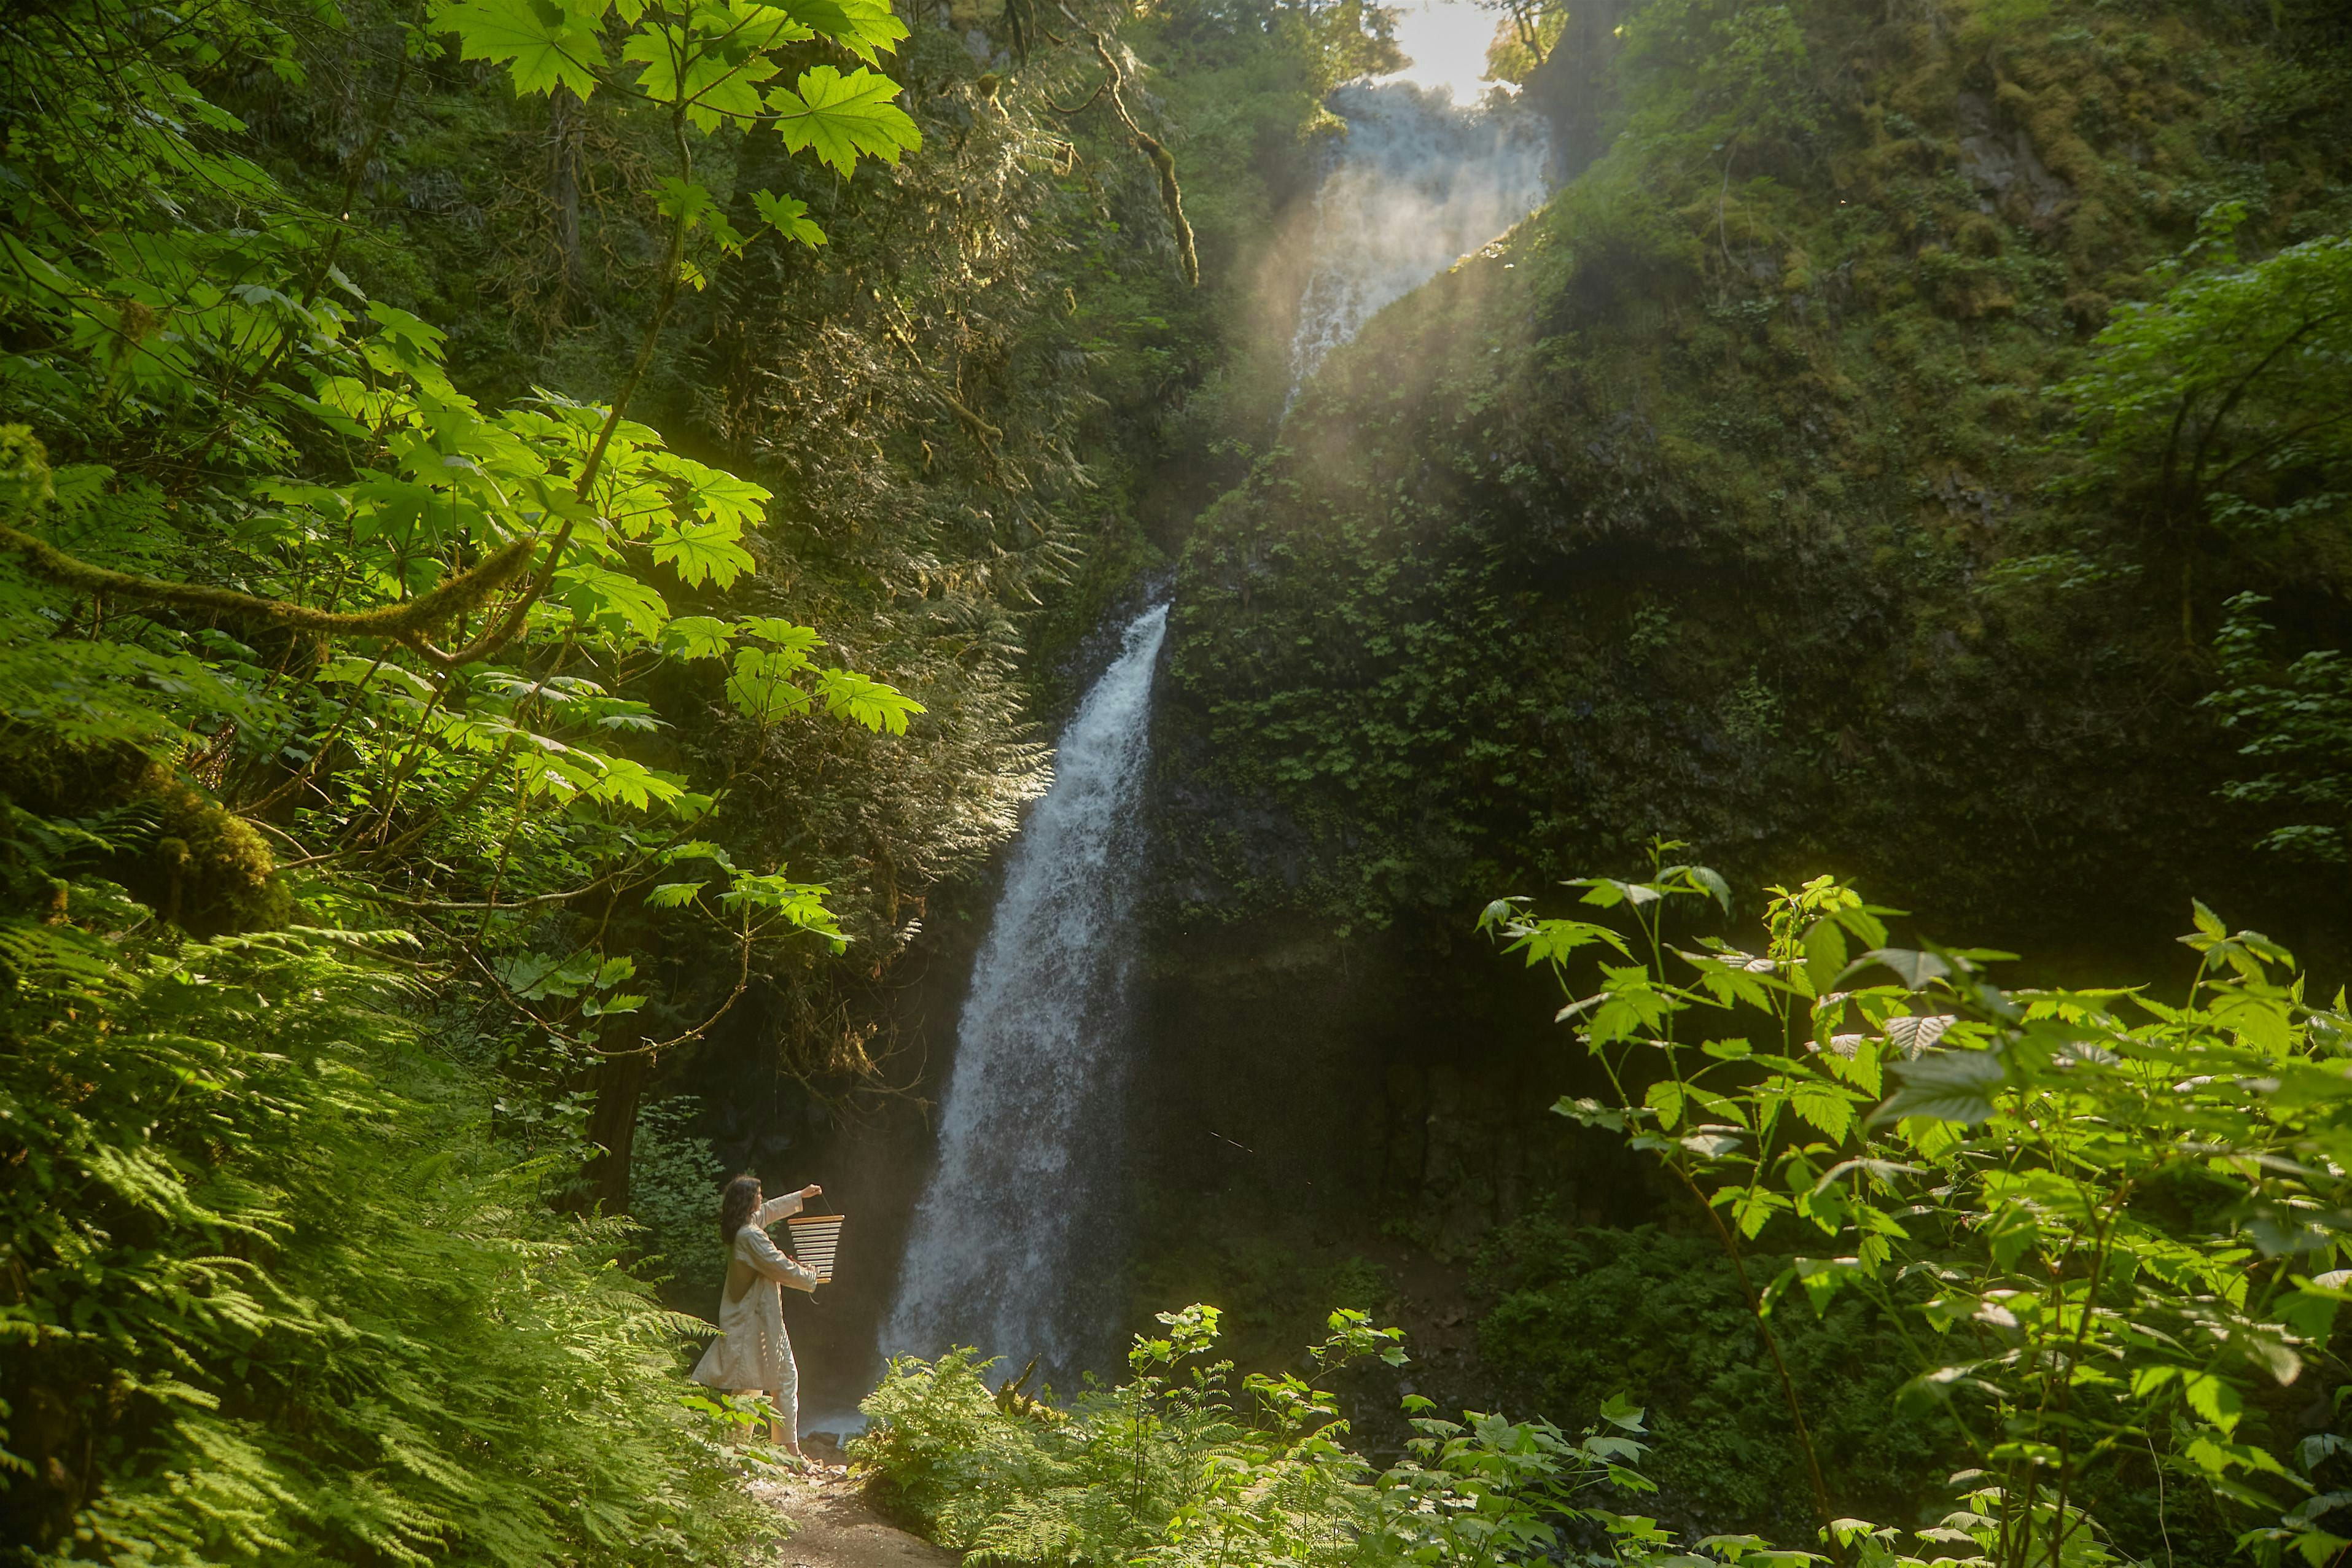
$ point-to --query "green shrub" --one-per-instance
(1170, 1468)
(674, 1182)
(1582, 1312)
(2102, 1225)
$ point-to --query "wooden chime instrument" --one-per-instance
(815, 1239)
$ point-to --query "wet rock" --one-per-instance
(2001, 163)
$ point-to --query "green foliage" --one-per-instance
(1171, 1467)
(1578, 1313)
(1527, 36)
(2297, 725)
(2099, 1220)
(703, 66)
(294, 630)
(1739, 76)
(2223, 403)
(1265, 1283)
(674, 1182)
(348, 472)
(278, 1293)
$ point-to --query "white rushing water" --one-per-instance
(1016, 1218)
(1419, 183)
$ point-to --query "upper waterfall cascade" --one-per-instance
(1029, 1147)
(1418, 184)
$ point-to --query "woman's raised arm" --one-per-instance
(777, 1208)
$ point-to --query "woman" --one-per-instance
(752, 1354)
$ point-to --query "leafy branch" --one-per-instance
(1995, 1195)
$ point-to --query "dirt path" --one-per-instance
(834, 1527)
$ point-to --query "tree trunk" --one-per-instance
(1528, 22)
(566, 136)
(613, 1127)
(1575, 84)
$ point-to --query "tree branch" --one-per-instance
(25, 486)
(1171, 195)
(406, 622)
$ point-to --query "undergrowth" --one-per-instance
(1579, 1312)
(275, 1292)
(1177, 1466)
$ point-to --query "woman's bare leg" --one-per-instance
(784, 1435)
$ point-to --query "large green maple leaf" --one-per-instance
(704, 552)
(542, 44)
(717, 83)
(842, 117)
(861, 27)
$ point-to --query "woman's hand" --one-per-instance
(812, 1190)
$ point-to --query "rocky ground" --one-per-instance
(834, 1527)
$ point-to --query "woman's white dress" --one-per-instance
(753, 1354)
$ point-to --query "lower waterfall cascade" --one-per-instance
(1029, 1152)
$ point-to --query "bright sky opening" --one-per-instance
(1447, 41)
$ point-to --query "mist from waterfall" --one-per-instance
(1419, 183)
(1008, 1239)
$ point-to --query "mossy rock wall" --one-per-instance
(1685, 509)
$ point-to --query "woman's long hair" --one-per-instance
(736, 1207)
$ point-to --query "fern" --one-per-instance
(280, 1295)
(1060, 1526)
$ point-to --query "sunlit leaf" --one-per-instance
(842, 118)
(697, 637)
(788, 216)
(703, 552)
(543, 45)
(1946, 1086)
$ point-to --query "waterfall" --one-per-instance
(1009, 1234)
(1009, 1243)
(1418, 184)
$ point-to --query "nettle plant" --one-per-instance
(405, 635)
(2109, 1224)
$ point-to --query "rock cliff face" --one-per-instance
(1721, 501)
(1704, 505)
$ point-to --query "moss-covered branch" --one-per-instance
(25, 476)
(1171, 195)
